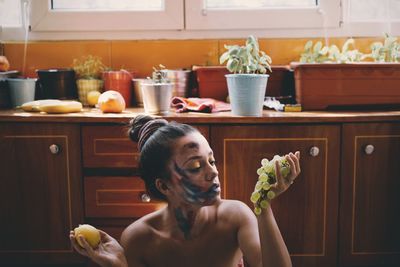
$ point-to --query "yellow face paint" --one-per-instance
(194, 165)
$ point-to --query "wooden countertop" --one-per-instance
(96, 116)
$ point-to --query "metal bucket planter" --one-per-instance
(181, 81)
(246, 93)
(157, 97)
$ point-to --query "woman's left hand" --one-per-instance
(283, 183)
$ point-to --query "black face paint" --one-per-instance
(193, 193)
(184, 223)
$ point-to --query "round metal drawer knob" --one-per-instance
(314, 151)
(145, 198)
(54, 149)
(369, 149)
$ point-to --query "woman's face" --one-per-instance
(194, 176)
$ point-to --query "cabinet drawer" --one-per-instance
(108, 146)
(117, 197)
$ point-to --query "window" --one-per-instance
(10, 13)
(106, 15)
(262, 14)
(373, 10)
(198, 19)
(372, 17)
(107, 5)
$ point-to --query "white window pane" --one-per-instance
(243, 4)
(395, 9)
(374, 10)
(10, 13)
(112, 5)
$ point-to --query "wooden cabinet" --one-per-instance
(40, 192)
(344, 209)
(370, 199)
(306, 214)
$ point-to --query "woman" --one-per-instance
(197, 227)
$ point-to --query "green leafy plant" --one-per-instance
(159, 75)
(314, 54)
(388, 51)
(88, 67)
(346, 55)
(320, 54)
(247, 58)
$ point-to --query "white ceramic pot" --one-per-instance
(247, 93)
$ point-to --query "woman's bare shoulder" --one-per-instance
(233, 204)
(234, 209)
(140, 230)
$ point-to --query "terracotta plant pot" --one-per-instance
(120, 81)
(322, 86)
(211, 82)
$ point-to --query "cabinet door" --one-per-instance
(40, 192)
(307, 212)
(370, 199)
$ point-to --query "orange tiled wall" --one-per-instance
(142, 55)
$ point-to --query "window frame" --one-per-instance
(197, 18)
(44, 19)
(185, 30)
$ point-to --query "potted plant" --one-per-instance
(157, 92)
(88, 70)
(248, 82)
(329, 77)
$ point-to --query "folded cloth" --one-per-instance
(206, 105)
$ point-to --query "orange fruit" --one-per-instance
(4, 64)
(111, 101)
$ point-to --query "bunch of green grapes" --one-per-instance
(266, 178)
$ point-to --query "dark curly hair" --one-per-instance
(155, 139)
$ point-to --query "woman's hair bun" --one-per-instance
(142, 127)
(136, 124)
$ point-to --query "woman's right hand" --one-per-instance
(108, 253)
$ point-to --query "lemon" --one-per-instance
(90, 233)
(93, 97)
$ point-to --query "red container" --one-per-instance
(331, 85)
(120, 81)
(211, 82)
